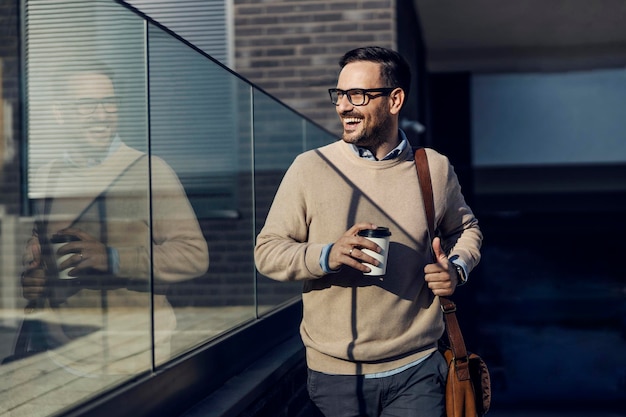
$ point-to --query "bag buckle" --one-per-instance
(448, 308)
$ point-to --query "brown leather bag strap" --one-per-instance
(423, 175)
(455, 337)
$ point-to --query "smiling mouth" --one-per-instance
(98, 129)
(351, 122)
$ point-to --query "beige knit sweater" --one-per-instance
(352, 323)
(100, 323)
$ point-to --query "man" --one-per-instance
(371, 342)
(129, 223)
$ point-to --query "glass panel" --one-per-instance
(85, 104)
(315, 136)
(101, 319)
(278, 139)
(200, 118)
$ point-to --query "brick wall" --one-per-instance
(290, 48)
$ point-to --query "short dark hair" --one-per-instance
(394, 69)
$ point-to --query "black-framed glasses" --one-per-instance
(87, 106)
(357, 96)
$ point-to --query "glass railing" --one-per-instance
(157, 165)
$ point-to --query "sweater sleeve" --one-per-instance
(282, 250)
(180, 251)
(458, 227)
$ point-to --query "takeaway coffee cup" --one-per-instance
(380, 236)
(57, 241)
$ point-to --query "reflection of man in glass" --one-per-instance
(127, 220)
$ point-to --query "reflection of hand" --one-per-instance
(32, 253)
(89, 253)
(33, 278)
(33, 283)
(441, 276)
(347, 250)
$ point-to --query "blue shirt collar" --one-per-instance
(367, 154)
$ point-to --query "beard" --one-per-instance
(373, 136)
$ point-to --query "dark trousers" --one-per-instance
(416, 392)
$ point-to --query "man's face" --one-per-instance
(90, 112)
(369, 125)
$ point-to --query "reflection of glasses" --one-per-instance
(357, 96)
(87, 106)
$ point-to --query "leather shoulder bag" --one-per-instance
(468, 387)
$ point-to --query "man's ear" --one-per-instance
(397, 98)
(58, 113)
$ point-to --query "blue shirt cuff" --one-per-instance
(114, 260)
(324, 259)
